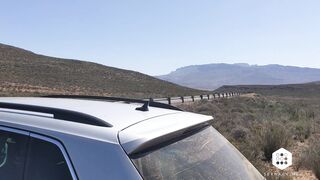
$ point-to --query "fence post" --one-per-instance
(151, 99)
(214, 96)
(192, 97)
(182, 99)
(219, 95)
(208, 96)
(201, 97)
(169, 100)
(222, 95)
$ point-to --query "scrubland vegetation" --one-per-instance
(260, 125)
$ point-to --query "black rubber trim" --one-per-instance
(59, 114)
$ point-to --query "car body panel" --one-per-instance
(94, 153)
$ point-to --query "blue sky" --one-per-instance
(158, 36)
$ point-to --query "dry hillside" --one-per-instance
(26, 73)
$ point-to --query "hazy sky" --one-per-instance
(158, 36)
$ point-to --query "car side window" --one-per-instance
(13, 149)
(46, 162)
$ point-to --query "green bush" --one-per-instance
(312, 157)
(273, 136)
(239, 133)
(302, 130)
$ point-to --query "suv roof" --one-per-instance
(135, 129)
(114, 113)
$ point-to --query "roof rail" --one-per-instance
(105, 98)
(60, 114)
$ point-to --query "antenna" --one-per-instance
(144, 108)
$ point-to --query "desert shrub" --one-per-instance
(311, 157)
(239, 133)
(249, 117)
(316, 162)
(294, 113)
(273, 136)
(302, 129)
(236, 110)
(204, 107)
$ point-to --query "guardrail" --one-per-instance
(183, 99)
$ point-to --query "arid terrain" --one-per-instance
(259, 125)
(24, 73)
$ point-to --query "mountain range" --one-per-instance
(212, 76)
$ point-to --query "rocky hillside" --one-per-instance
(24, 73)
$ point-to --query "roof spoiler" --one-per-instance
(165, 140)
(160, 131)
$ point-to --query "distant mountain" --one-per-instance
(212, 76)
(23, 73)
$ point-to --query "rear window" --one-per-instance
(46, 162)
(204, 155)
(25, 158)
(13, 148)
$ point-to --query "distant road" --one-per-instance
(188, 99)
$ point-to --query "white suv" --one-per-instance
(99, 138)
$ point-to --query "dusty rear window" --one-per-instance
(204, 155)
